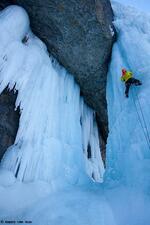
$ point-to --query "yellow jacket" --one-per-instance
(126, 76)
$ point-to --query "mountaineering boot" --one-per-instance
(127, 92)
(137, 83)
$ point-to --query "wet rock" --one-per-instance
(9, 120)
(79, 34)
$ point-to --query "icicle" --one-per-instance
(51, 142)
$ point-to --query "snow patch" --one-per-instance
(6, 178)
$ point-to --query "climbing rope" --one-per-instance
(145, 125)
(141, 118)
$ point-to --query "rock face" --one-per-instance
(78, 33)
(9, 120)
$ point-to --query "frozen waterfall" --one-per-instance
(56, 128)
(128, 148)
(57, 131)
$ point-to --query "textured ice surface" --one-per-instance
(56, 128)
(54, 132)
(128, 149)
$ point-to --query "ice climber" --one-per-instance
(127, 77)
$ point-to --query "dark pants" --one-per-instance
(129, 82)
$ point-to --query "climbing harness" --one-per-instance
(141, 118)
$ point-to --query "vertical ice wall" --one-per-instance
(58, 135)
(128, 148)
